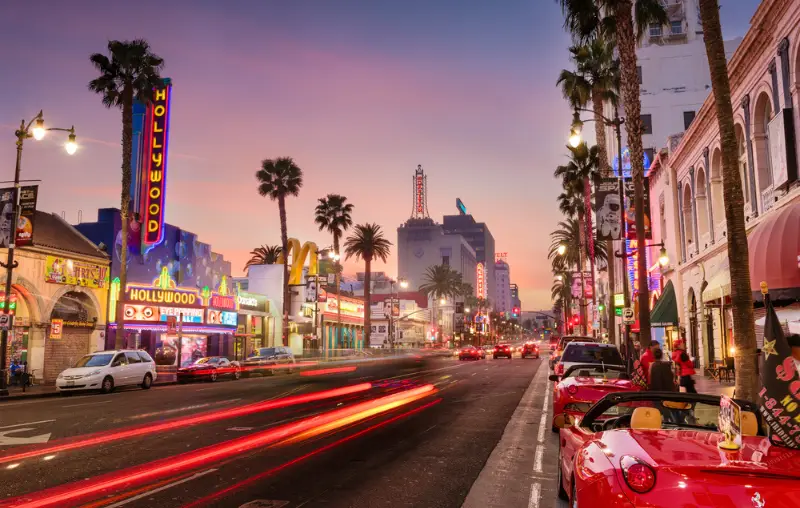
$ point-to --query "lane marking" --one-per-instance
(536, 495)
(38, 401)
(159, 489)
(240, 429)
(6, 440)
(542, 426)
(27, 423)
(88, 404)
(537, 462)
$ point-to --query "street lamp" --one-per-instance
(34, 129)
(442, 301)
(575, 130)
(562, 249)
(663, 257)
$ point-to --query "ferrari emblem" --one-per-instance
(769, 348)
(757, 501)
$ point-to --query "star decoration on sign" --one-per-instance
(769, 348)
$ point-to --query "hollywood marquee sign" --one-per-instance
(179, 297)
(155, 182)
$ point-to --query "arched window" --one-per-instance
(763, 115)
(717, 199)
(701, 205)
(741, 144)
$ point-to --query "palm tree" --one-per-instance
(333, 213)
(279, 178)
(264, 255)
(130, 72)
(585, 19)
(367, 242)
(745, 358)
(594, 80)
(441, 281)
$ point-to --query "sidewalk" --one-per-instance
(712, 387)
(40, 391)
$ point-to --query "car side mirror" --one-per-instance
(554, 377)
(563, 421)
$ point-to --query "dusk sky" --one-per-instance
(358, 91)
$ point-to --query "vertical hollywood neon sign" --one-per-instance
(420, 193)
(481, 279)
(155, 183)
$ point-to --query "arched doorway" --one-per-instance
(79, 315)
(763, 115)
(693, 328)
(19, 338)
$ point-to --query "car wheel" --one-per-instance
(212, 377)
(562, 493)
(147, 382)
(237, 374)
(108, 385)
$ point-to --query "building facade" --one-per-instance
(502, 291)
(479, 237)
(686, 185)
(515, 301)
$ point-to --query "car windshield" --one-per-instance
(678, 411)
(95, 360)
(596, 371)
(592, 353)
(207, 360)
(265, 351)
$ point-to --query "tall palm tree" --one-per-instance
(279, 178)
(264, 255)
(745, 358)
(129, 72)
(334, 214)
(594, 80)
(585, 18)
(441, 281)
(368, 243)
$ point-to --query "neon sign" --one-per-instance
(155, 185)
(152, 295)
(222, 302)
(420, 193)
(353, 309)
(481, 281)
(221, 317)
(500, 256)
(189, 315)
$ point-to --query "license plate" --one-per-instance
(70, 383)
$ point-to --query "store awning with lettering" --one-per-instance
(665, 313)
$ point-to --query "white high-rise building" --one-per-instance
(502, 279)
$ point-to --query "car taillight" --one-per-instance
(559, 369)
(638, 475)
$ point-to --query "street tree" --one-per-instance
(264, 255)
(129, 72)
(278, 179)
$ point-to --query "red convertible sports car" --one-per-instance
(583, 385)
(654, 449)
(210, 368)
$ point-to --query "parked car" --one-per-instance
(106, 370)
(502, 350)
(555, 354)
(210, 368)
(268, 360)
(530, 349)
(584, 353)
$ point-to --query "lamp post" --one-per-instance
(333, 255)
(34, 129)
(403, 284)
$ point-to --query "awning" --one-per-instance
(775, 254)
(665, 313)
(719, 284)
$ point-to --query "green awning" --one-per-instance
(665, 313)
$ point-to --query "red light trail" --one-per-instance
(325, 372)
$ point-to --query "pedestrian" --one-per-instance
(685, 369)
(16, 372)
(648, 358)
(661, 377)
(794, 343)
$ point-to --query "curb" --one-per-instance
(44, 395)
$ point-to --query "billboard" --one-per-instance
(25, 215)
(73, 272)
(630, 212)
(154, 184)
(608, 209)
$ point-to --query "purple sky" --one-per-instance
(358, 91)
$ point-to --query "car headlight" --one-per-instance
(94, 372)
(60, 375)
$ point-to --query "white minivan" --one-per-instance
(105, 370)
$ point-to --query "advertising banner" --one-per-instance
(588, 285)
(155, 160)
(56, 328)
(58, 270)
(27, 211)
(630, 213)
(608, 209)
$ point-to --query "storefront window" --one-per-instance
(193, 347)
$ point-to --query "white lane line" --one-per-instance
(474, 373)
(27, 423)
(542, 427)
(536, 495)
(88, 403)
(537, 462)
(163, 487)
(38, 401)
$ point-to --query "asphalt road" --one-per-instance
(379, 435)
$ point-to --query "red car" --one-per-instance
(583, 385)
(471, 353)
(503, 350)
(653, 449)
(210, 368)
(530, 349)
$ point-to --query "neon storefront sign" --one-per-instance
(155, 184)
(221, 317)
(189, 315)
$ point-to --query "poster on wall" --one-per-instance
(608, 209)
(26, 216)
(56, 328)
(192, 349)
(58, 270)
(630, 212)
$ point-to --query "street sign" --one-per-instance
(5, 321)
(627, 316)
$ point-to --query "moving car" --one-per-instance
(584, 384)
(268, 360)
(106, 370)
(471, 353)
(530, 349)
(210, 368)
(580, 352)
(660, 449)
(502, 350)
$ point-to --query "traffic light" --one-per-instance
(601, 307)
(515, 311)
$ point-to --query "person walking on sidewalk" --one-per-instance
(686, 366)
(648, 358)
(660, 377)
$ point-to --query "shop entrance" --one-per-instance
(78, 313)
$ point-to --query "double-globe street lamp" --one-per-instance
(37, 130)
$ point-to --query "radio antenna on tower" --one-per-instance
(420, 208)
